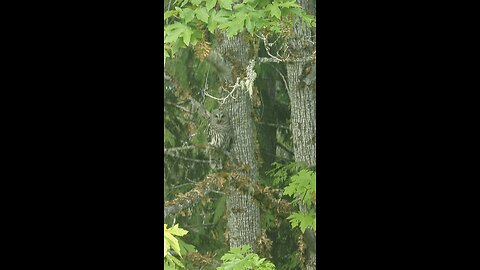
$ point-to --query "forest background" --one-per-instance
(253, 63)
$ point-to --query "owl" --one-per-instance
(219, 130)
(220, 135)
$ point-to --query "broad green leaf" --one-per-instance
(249, 25)
(196, 2)
(185, 248)
(176, 261)
(275, 11)
(234, 26)
(180, 11)
(212, 25)
(196, 36)
(188, 14)
(221, 16)
(177, 46)
(175, 230)
(289, 190)
(202, 14)
(210, 4)
(169, 14)
(166, 247)
(288, 4)
(173, 31)
(238, 6)
(226, 4)
(186, 36)
(173, 242)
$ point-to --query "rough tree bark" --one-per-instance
(302, 94)
(231, 57)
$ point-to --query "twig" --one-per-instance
(178, 106)
(268, 60)
(165, 150)
(268, 45)
(283, 78)
(222, 100)
(274, 125)
(189, 159)
(285, 148)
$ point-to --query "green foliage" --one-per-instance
(281, 173)
(242, 259)
(303, 190)
(233, 16)
(304, 220)
(169, 243)
(187, 23)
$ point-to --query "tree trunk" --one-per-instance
(243, 214)
(302, 94)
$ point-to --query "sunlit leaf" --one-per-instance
(202, 14)
(210, 4)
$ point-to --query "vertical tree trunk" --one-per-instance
(302, 94)
(243, 214)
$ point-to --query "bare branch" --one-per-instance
(274, 125)
(179, 107)
(188, 159)
(283, 78)
(268, 60)
(201, 189)
(181, 148)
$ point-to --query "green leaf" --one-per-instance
(172, 241)
(186, 36)
(226, 4)
(176, 261)
(289, 190)
(288, 4)
(235, 25)
(175, 230)
(188, 14)
(173, 31)
(221, 16)
(275, 11)
(166, 247)
(196, 2)
(210, 4)
(177, 45)
(169, 14)
(202, 14)
(185, 248)
(249, 25)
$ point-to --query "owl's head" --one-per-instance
(219, 116)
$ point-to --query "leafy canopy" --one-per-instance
(185, 23)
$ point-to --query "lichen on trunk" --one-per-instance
(243, 214)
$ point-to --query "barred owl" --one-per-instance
(219, 130)
(220, 134)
